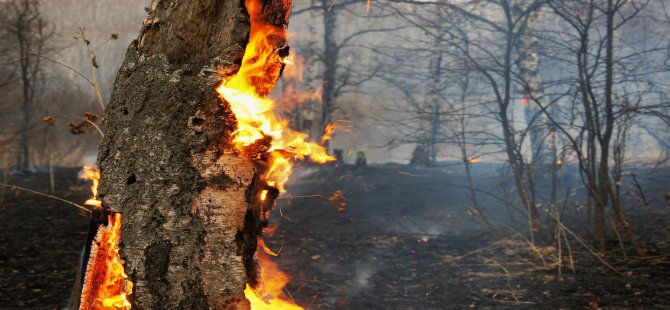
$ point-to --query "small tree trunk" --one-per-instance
(5, 176)
(329, 57)
(52, 172)
(168, 163)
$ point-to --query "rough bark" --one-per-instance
(168, 164)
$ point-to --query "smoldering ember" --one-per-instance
(334, 154)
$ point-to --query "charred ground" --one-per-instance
(404, 240)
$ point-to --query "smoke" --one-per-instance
(90, 158)
(362, 276)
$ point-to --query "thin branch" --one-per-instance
(47, 195)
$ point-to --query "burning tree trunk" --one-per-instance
(189, 195)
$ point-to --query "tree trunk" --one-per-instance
(511, 146)
(528, 48)
(329, 58)
(168, 163)
(425, 152)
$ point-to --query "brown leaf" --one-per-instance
(49, 120)
(342, 207)
(92, 117)
(337, 196)
(76, 129)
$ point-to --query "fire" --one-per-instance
(257, 122)
(524, 101)
(92, 173)
(292, 75)
(272, 281)
(294, 65)
(474, 160)
(330, 129)
(106, 285)
(247, 95)
(328, 133)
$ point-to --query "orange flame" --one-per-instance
(524, 101)
(106, 285)
(293, 69)
(332, 128)
(268, 295)
(247, 94)
(92, 173)
(292, 76)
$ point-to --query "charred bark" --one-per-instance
(168, 163)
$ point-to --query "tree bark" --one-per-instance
(168, 163)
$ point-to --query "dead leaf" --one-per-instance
(342, 207)
(49, 120)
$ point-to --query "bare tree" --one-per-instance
(26, 33)
(338, 74)
(604, 106)
(491, 52)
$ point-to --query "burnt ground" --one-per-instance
(40, 241)
(405, 240)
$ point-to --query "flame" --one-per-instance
(292, 76)
(293, 69)
(268, 295)
(330, 129)
(474, 160)
(328, 133)
(524, 101)
(246, 93)
(92, 173)
(106, 285)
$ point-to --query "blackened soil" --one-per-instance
(408, 240)
(40, 242)
(405, 239)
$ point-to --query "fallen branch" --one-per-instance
(14, 187)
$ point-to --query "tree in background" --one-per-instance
(339, 73)
(614, 78)
(25, 34)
